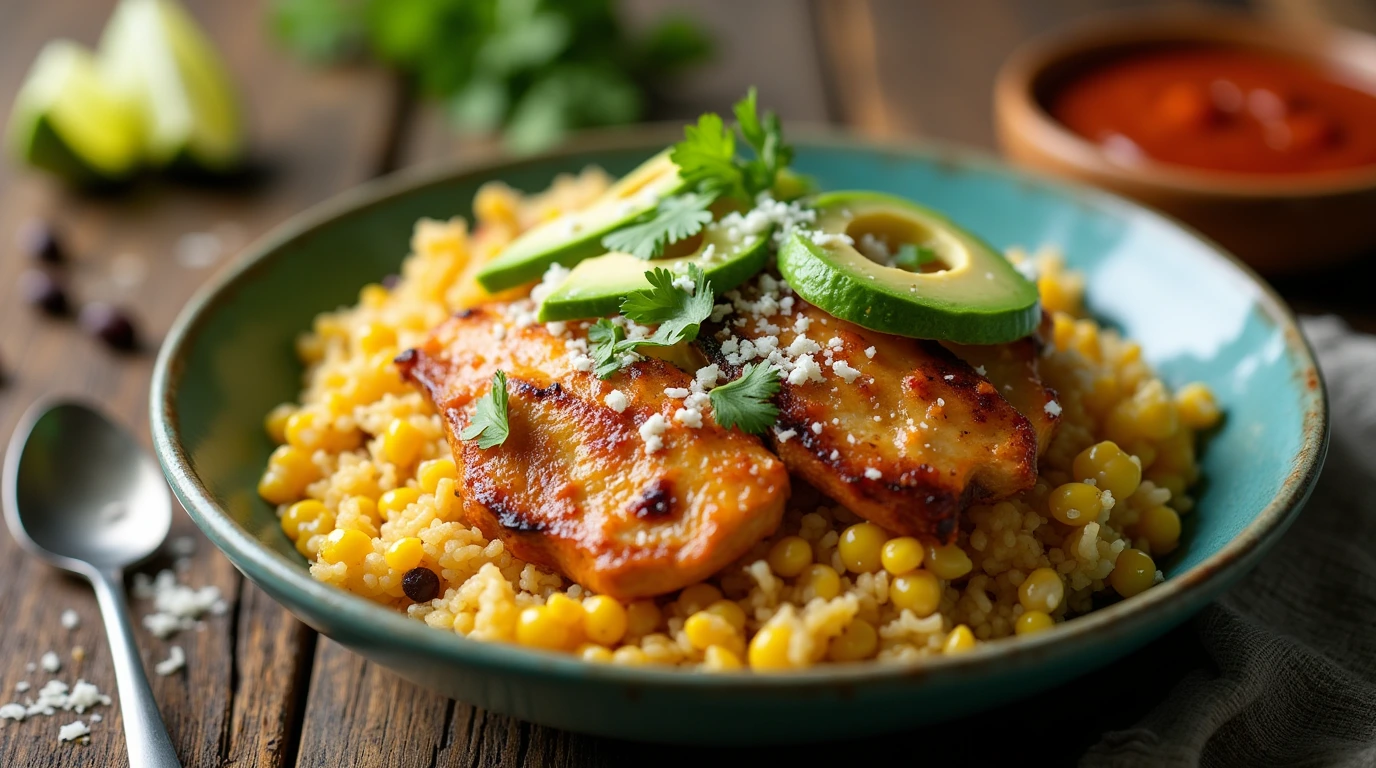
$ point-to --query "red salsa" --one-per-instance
(1221, 109)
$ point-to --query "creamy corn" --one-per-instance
(364, 485)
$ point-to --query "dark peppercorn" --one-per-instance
(39, 239)
(42, 290)
(420, 584)
(110, 325)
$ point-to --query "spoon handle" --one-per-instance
(144, 732)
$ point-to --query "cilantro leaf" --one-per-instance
(489, 424)
(606, 338)
(675, 218)
(746, 402)
(706, 158)
(911, 256)
(678, 313)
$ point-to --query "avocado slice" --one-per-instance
(596, 286)
(968, 293)
(577, 235)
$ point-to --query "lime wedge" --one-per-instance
(66, 119)
(156, 56)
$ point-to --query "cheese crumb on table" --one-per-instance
(176, 606)
(50, 662)
(176, 660)
(70, 619)
(73, 731)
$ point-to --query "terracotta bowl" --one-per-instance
(1277, 224)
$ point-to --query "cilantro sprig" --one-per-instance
(675, 218)
(678, 313)
(746, 403)
(708, 160)
(489, 424)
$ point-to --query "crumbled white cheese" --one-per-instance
(582, 362)
(12, 711)
(651, 431)
(684, 283)
(83, 696)
(873, 474)
(802, 345)
(176, 606)
(557, 327)
(843, 369)
(801, 324)
(835, 342)
(1053, 408)
(498, 331)
(708, 376)
(870, 352)
(553, 278)
(50, 662)
(949, 377)
(980, 370)
(941, 401)
(676, 393)
(176, 660)
(689, 417)
(785, 435)
(816, 427)
(73, 731)
(825, 239)
(70, 619)
(805, 369)
(21, 686)
(617, 400)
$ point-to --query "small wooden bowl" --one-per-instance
(1277, 224)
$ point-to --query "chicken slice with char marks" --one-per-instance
(574, 488)
(1012, 369)
(909, 442)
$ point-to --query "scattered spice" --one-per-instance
(110, 324)
(420, 584)
(42, 290)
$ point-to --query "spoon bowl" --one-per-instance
(81, 492)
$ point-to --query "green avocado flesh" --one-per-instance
(969, 294)
(578, 235)
(596, 287)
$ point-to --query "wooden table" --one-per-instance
(260, 689)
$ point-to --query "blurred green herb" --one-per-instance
(535, 69)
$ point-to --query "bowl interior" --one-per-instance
(1197, 315)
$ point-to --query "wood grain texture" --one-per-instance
(315, 134)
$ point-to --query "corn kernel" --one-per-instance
(402, 442)
(919, 592)
(566, 609)
(630, 656)
(537, 627)
(304, 430)
(404, 554)
(642, 618)
(432, 472)
(731, 611)
(376, 337)
(301, 513)
(861, 546)
(276, 422)
(1032, 622)
(290, 470)
(719, 659)
(1160, 526)
(1196, 406)
(769, 648)
(373, 295)
(947, 561)
(346, 546)
(960, 640)
(695, 598)
(595, 653)
(605, 620)
(1133, 573)
(705, 629)
(789, 556)
(902, 555)
(1042, 590)
(820, 580)
(857, 641)
(395, 501)
(1075, 504)
(1110, 468)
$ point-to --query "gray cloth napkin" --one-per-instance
(1293, 646)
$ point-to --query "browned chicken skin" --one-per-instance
(915, 437)
(574, 487)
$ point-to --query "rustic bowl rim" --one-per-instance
(1019, 110)
(381, 626)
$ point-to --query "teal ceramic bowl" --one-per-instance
(1197, 312)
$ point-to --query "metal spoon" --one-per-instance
(80, 493)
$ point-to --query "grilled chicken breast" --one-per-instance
(909, 441)
(1012, 369)
(575, 487)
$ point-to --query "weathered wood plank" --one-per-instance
(316, 134)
